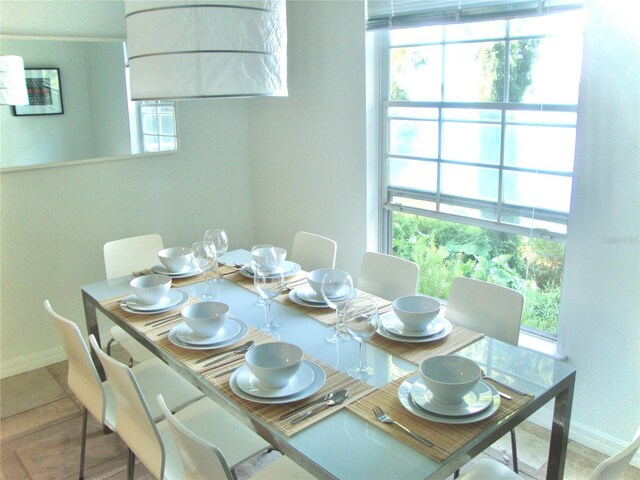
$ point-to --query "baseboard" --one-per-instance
(584, 435)
(31, 362)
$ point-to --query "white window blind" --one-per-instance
(389, 14)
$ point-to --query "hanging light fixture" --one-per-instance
(13, 86)
(199, 49)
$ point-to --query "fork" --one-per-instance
(384, 418)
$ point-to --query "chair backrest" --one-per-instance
(613, 467)
(82, 377)
(387, 276)
(135, 424)
(312, 251)
(200, 458)
(121, 257)
(486, 308)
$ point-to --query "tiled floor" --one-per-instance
(41, 423)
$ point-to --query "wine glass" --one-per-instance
(361, 321)
(266, 256)
(269, 282)
(204, 261)
(336, 289)
(215, 240)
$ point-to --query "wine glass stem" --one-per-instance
(267, 312)
(361, 366)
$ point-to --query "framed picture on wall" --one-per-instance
(44, 91)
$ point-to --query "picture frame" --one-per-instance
(44, 89)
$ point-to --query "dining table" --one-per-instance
(346, 441)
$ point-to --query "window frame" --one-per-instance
(387, 192)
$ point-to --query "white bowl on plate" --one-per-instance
(150, 289)
(275, 363)
(315, 279)
(449, 377)
(205, 318)
(416, 312)
(176, 259)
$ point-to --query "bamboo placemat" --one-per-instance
(145, 323)
(446, 438)
(271, 413)
(417, 352)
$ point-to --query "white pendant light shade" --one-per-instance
(198, 49)
(13, 86)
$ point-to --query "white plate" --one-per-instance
(250, 384)
(404, 395)
(190, 271)
(433, 338)
(473, 402)
(392, 324)
(183, 297)
(317, 383)
(229, 329)
(295, 299)
(308, 294)
(289, 268)
(171, 299)
(173, 338)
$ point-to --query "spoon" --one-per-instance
(244, 348)
(336, 400)
(327, 397)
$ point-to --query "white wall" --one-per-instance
(308, 150)
(599, 327)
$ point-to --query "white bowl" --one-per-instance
(449, 377)
(205, 318)
(151, 288)
(315, 279)
(176, 259)
(416, 311)
(274, 364)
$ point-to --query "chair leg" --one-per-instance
(83, 444)
(514, 451)
(111, 340)
(131, 465)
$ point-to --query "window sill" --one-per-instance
(540, 344)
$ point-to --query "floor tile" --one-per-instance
(38, 418)
(28, 390)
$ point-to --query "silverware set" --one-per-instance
(330, 400)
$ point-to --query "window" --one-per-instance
(152, 124)
(478, 127)
(157, 126)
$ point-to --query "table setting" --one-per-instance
(207, 337)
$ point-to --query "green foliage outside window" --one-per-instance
(445, 250)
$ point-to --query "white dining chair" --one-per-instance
(613, 467)
(610, 469)
(491, 309)
(387, 276)
(489, 469)
(96, 396)
(313, 251)
(486, 308)
(202, 459)
(122, 257)
(153, 444)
